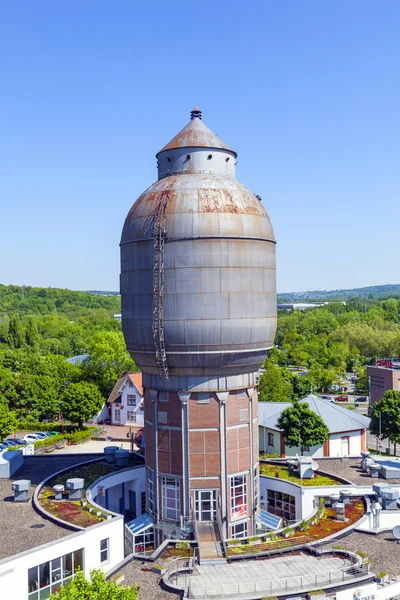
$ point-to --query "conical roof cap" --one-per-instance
(196, 134)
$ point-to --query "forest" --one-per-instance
(42, 327)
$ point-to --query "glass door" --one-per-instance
(205, 505)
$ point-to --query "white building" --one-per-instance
(126, 400)
(347, 429)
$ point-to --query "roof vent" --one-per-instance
(195, 114)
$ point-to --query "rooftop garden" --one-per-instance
(79, 512)
(282, 472)
(320, 526)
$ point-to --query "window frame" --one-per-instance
(238, 496)
(104, 561)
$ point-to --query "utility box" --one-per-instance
(374, 469)
(389, 499)
(345, 496)
(305, 468)
(378, 487)
(122, 458)
(58, 491)
(340, 511)
(75, 486)
(21, 490)
(364, 455)
(109, 454)
(334, 499)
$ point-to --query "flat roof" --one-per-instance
(25, 528)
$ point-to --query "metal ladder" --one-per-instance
(160, 235)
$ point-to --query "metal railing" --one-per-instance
(220, 529)
(299, 583)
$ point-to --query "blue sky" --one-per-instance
(308, 93)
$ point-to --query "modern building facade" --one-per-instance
(199, 316)
(383, 376)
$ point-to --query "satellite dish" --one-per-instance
(396, 533)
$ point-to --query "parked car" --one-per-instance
(9, 443)
(341, 399)
(50, 433)
(327, 398)
(16, 441)
(362, 399)
(41, 434)
(335, 388)
(31, 438)
(2, 446)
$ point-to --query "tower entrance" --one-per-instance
(205, 505)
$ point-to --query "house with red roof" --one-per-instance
(126, 400)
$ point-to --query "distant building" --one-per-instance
(303, 305)
(383, 376)
(76, 360)
(126, 400)
(347, 430)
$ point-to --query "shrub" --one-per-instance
(381, 574)
(182, 545)
(337, 547)
(316, 593)
(254, 539)
(233, 542)
(80, 434)
(53, 439)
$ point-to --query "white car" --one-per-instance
(31, 438)
(328, 398)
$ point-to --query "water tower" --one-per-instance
(199, 316)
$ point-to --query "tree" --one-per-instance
(16, 332)
(8, 421)
(81, 401)
(274, 385)
(302, 427)
(96, 588)
(302, 386)
(108, 358)
(385, 418)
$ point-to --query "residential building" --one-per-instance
(126, 401)
(347, 429)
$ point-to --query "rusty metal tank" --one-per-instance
(198, 281)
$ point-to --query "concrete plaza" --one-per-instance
(252, 579)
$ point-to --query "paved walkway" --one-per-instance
(209, 541)
(267, 577)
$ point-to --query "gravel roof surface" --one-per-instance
(140, 572)
(28, 529)
(382, 550)
(348, 469)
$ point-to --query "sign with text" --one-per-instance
(384, 363)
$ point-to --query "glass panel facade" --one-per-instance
(239, 530)
(171, 492)
(282, 505)
(46, 578)
(238, 496)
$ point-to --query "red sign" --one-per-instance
(384, 363)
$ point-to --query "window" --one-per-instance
(282, 505)
(131, 399)
(131, 416)
(241, 394)
(46, 578)
(163, 395)
(244, 414)
(162, 417)
(270, 439)
(142, 502)
(239, 530)
(130, 384)
(150, 490)
(104, 550)
(171, 492)
(117, 415)
(256, 487)
(238, 496)
(203, 398)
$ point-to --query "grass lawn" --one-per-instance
(281, 472)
